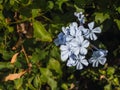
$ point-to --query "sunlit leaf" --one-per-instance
(40, 32)
(100, 17)
(50, 4)
(60, 2)
(18, 83)
(37, 81)
(52, 83)
(118, 9)
(35, 12)
(6, 65)
(117, 22)
(110, 70)
(55, 65)
(108, 87)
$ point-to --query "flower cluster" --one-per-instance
(74, 42)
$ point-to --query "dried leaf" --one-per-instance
(14, 76)
(13, 60)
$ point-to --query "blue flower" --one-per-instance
(77, 61)
(61, 40)
(74, 32)
(79, 45)
(66, 51)
(80, 17)
(71, 61)
(90, 33)
(98, 57)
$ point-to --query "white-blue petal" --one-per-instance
(85, 62)
(91, 25)
(102, 60)
(85, 43)
(71, 62)
(64, 55)
(96, 30)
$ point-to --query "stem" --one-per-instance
(23, 50)
(94, 46)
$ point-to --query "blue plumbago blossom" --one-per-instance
(74, 32)
(80, 17)
(90, 33)
(66, 51)
(80, 45)
(98, 57)
(78, 61)
(74, 44)
(60, 40)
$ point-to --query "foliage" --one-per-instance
(29, 59)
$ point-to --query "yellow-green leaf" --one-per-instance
(101, 17)
(40, 32)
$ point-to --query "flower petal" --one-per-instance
(91, 25)
(102, 60)
(96, 30)
(71, 62)
(63, 47)
(79, 66)
(85, 62)
(64, 55)
(85, 43)
(83, 51)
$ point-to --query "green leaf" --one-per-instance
(101, 17)
(52, 83)
(118, 9)
(12, 2)
(18, 83)
(108, 87)
(110, 71)
(117, 22)
(31, 87)
(116, 81)
(55, 65)
(35, 12)
(7, 65)
(50, 5)
(46, 73)
(37, 81)
(60, 2)
(40, 32)
(64, 86)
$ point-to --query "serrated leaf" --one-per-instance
(40, 32)
(118, 23)
(101, 17)
(55, 65)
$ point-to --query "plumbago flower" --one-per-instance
(98, 57)
(78, 61)
(90, 33)
(74, 42)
